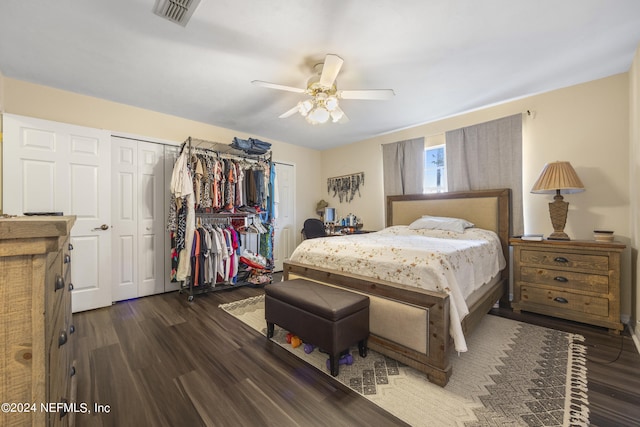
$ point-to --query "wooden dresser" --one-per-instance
(575, 280)
(36, 366)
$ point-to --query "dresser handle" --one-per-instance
(70, 247)
(72, 329)
(561, 300)
(560, 259)
(62, 339)
(67, 259)
(561, 279)
(59, 283)
(72, 372)
(70, 286)
(65, 405)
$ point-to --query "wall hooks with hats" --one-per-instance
(345, 186)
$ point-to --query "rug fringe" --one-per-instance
(576, 397)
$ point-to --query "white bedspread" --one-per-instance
(456, 263)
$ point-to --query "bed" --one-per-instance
(417, 326)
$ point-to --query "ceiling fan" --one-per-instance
(325, 96)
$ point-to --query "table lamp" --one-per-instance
(559, 178)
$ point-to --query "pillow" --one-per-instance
(440, 223)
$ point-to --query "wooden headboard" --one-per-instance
(488, 209)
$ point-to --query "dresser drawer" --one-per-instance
(564, 301)
(568, 280)
(595, 263)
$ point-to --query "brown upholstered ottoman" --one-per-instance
(330, 318)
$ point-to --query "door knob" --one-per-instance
(102, 227)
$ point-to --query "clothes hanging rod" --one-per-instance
(223, 214)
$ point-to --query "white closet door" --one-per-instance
(57, 167)
(151, 230)
(139, 244)
(284, 239)
(124, 178)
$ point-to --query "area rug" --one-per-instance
(514, 374)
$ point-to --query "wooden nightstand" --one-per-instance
(576, 280)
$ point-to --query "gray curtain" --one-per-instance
(486, 156)
(403, 167)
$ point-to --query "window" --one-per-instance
(435, 170)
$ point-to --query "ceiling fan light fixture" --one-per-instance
(318, 115)
(336, 115)
(305, 107)
(331, 103)
(324, 102)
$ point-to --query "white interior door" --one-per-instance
(139, 247)
(124, 178)
(151, 230)
(284, 239)
(57, 167)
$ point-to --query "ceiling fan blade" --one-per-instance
(289, 113)
(338, 116)
(277, 86)
(330, 70)
(375, 94)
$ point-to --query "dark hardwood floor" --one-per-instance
(162, 361)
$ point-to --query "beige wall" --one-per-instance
(27, 99)
(587, 124)
(634, 183)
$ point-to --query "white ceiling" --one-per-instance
(441, 57)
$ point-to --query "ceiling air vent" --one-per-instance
(178, 11)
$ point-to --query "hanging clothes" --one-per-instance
(207, 181)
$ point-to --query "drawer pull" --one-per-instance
(561, 300)
(70, 286)
(561, 279)
(59, 283)
(62, 339)
(72, 371)
(70, 247)
(72, 329)
(63, 410)
(561, 259)
(67, 258)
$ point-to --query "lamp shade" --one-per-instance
(558, 176)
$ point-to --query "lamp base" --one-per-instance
(558, 211)
(558, 235)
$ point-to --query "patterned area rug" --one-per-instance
(515, 374)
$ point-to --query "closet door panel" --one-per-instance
(151, 230)
(284, 239)
(125, 218)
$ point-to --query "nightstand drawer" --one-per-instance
(596, 263)
(566, 279)
(565, 301)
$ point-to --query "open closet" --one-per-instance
(221, 217)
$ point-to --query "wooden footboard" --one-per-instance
(427, 346)
(434, 361)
